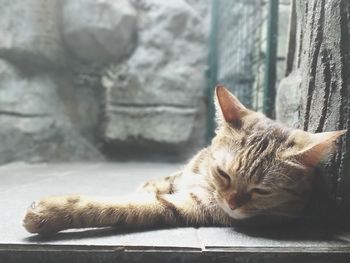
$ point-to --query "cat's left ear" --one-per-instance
(318, 147)
(228, 107)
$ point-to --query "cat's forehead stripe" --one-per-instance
(257, 157)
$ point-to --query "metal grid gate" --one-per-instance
(243, 52)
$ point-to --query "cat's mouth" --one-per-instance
(237, 213)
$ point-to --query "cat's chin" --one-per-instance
(235, 214)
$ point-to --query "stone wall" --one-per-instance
(314, 96)
(82, 79)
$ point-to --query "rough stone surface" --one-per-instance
(30, 33)
(288, 99)
(283, 25)
(160, 124)
(320, 52)
(99, 30)
(76, 76)
(163, 78)
(82, 95)
(34, 124)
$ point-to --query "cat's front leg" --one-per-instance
(56, 213)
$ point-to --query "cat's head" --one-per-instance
(259, 166)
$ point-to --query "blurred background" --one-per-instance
(97, 96)
(93, 80)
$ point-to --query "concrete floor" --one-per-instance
(20, 184)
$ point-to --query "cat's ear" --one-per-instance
(228, 107)
(318, 147)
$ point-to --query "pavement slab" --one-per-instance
(20, 184)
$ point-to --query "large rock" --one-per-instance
(288, 99)
(99, 30)
(284, 10)
(30, 34)
(33, 121)
(162, 81)
(160, 124)
(172, 85)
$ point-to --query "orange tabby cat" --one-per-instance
(253, 167)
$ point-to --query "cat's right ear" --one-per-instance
(317, 146)
(228, 107)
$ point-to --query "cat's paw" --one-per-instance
(46, 216)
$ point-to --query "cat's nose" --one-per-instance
(232, 202)
(236, 200)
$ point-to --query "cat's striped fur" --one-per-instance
(253, 167)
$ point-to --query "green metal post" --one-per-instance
(271, 59)
(213, 68)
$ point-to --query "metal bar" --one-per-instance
(271, 58)
(212, 73)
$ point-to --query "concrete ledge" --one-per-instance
(21, 184)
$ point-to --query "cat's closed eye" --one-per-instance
(260, 191)
(224, 175)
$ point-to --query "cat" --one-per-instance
(253, 167)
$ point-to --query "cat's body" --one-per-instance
(254, 167)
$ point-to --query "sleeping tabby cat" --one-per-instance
(253, 167)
